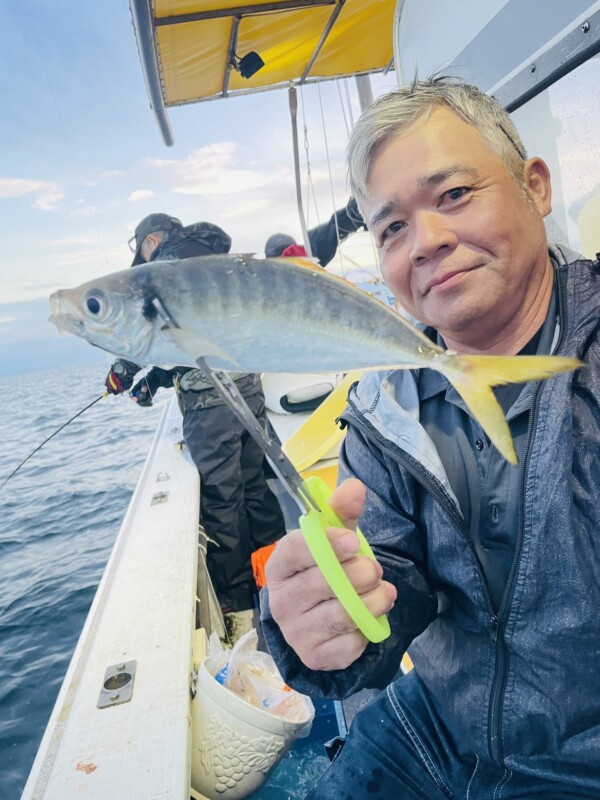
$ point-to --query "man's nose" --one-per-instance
(431, 232)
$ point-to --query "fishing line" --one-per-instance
(335, 219)
(339, 88)
(79, 413)
(349, 101)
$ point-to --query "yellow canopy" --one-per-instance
(190, 49)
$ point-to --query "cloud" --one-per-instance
(46, 193)
(96, 178)
(140, 194)
(213, 170)
(71, 241)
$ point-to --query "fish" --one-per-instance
(246, 314)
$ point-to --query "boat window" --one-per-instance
(561, 126)
(482, 42)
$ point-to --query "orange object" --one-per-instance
(328, 474)
(259, 560)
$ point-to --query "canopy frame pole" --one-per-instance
(322, 40)
(293, 104)
(233, 39)
(239, 11)
(144, 34)
(365, 92)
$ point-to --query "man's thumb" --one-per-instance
(348, 501)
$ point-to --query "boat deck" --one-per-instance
(138, 743)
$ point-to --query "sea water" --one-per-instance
(59, 518)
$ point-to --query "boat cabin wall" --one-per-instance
(541, 60)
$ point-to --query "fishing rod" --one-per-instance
(79, 413)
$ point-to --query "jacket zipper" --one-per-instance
(499, 620)
(496, 619)
(499, 682)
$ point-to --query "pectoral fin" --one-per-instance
(196, 347)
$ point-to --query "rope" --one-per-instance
(337, 229)
(339, 88)
(310, 189)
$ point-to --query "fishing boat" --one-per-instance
(123, 724)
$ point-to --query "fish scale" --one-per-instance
(343, 320)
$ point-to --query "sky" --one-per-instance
(82, 161)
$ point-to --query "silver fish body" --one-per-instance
(242, 314)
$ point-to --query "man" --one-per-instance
(324, 239)
(239, 512)
(489, 572)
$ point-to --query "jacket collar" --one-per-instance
(389, 401)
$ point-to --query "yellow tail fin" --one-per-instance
(473, 377)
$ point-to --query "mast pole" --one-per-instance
(293, 103)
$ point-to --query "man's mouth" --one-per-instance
(449, 278)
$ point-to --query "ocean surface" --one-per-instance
(59, 517)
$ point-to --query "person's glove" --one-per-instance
(141, 394)
(121, 376)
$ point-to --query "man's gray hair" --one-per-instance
(395, 112)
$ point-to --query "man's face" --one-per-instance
(460, 245)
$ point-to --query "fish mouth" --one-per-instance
(64, 321)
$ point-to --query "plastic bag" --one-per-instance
(252, 675)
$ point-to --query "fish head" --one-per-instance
(110, 313)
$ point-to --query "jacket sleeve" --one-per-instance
(324, 238)
(392, 533)
(158, 378)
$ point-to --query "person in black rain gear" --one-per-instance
(324, 239)
(239, 512)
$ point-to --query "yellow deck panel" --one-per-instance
(320, 434)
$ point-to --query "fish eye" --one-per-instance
(96, 305)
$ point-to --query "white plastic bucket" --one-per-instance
(234, 744)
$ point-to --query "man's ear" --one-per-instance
(537, 181)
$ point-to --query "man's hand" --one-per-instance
(309, 615)
(120, 376)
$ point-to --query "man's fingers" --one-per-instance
(336, 653)
(348, 501)
(292, 556)
(309, 615)
(326, 638)
(334, 621)
(307, 589)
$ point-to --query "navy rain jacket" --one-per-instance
(521, 687)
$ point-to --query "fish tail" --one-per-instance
(474, 376)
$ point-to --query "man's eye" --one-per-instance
(455, 194)
(392, 229)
